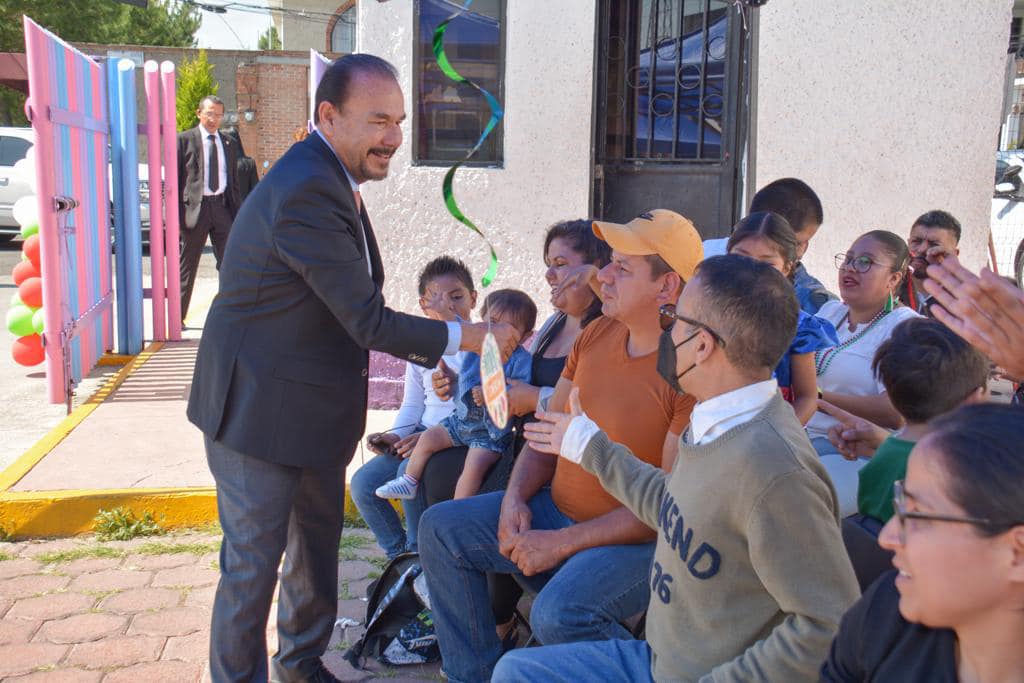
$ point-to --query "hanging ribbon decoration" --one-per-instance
(496, 115)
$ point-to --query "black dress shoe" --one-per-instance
(322, 675)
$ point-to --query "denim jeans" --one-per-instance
(628, 661)
(585, 598)
(844, 474)
(378, 513)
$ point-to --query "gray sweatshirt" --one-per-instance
(750, 575)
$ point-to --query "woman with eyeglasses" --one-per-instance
(953, 609)
(869, 274)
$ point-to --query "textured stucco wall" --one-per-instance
(886, 108)
(548, 91)
(310, 31)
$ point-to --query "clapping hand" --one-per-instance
(545, 436)
(478, 395)
(986, 310)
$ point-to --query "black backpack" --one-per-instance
(399, 627)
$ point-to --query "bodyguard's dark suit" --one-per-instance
(280, 391)
(203, 216)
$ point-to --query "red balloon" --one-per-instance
(31, 251)
(28, 351)
(23, 271)
(31, 292)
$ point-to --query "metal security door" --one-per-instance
(671, 110)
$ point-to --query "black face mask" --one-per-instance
(667, 359)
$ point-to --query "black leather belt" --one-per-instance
(218, 198)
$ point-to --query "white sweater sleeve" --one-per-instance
(413, 403)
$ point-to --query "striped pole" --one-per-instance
(172, 225)
(41, 87)
(117, 191)
(156, 220)
(130, 187)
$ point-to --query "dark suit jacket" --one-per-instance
(281, 373)
(190, 174)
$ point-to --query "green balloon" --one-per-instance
(29, 230)
(19, 321)
(38, 321)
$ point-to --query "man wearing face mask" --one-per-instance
(750, 576)
(555, 526)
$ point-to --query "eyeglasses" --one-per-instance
(899, 503)
(668, 317)
(861, 264)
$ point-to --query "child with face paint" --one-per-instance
(768, 237)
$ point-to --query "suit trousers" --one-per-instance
(267, 509)
(214, 221)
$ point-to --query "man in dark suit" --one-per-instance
(208, 197)
(280, 384)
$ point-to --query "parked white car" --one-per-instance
(14, 144)
(1008, 215)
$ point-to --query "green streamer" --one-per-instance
(496, 115)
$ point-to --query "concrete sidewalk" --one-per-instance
(75, 609)
(129, 445)
(79, 610)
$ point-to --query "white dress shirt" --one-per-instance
(222, 164)
(454, 329)
(709, 420)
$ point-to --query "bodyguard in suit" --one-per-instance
(208, 197)
(280, 383)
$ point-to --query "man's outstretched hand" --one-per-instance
(473, 337)
(985, 310)
(546, 435)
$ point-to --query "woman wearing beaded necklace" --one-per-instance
(869, 275)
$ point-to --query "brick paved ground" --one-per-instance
(79, 610)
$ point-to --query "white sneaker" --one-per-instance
(402, 488)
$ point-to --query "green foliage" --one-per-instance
(5, 556)
(197, 549)
(164, 22)
(349, 544)
(195, 81)
(121, 524)
(269, 40)
(95, 551)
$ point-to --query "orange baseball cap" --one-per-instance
(661, 232)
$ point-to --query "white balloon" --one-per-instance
(24, 171)
(26, 210)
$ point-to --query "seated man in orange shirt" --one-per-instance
(555, 526)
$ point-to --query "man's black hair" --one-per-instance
(336, 82)
(940, 219)
(751, 305)
(791, 198)
(213, 99)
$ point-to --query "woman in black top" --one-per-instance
(953, 610)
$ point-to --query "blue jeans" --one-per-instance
(378, 513)
(585, 598)
(628, 661)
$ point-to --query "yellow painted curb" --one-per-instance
(57, 513)
(114, 359)
(37, 514)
